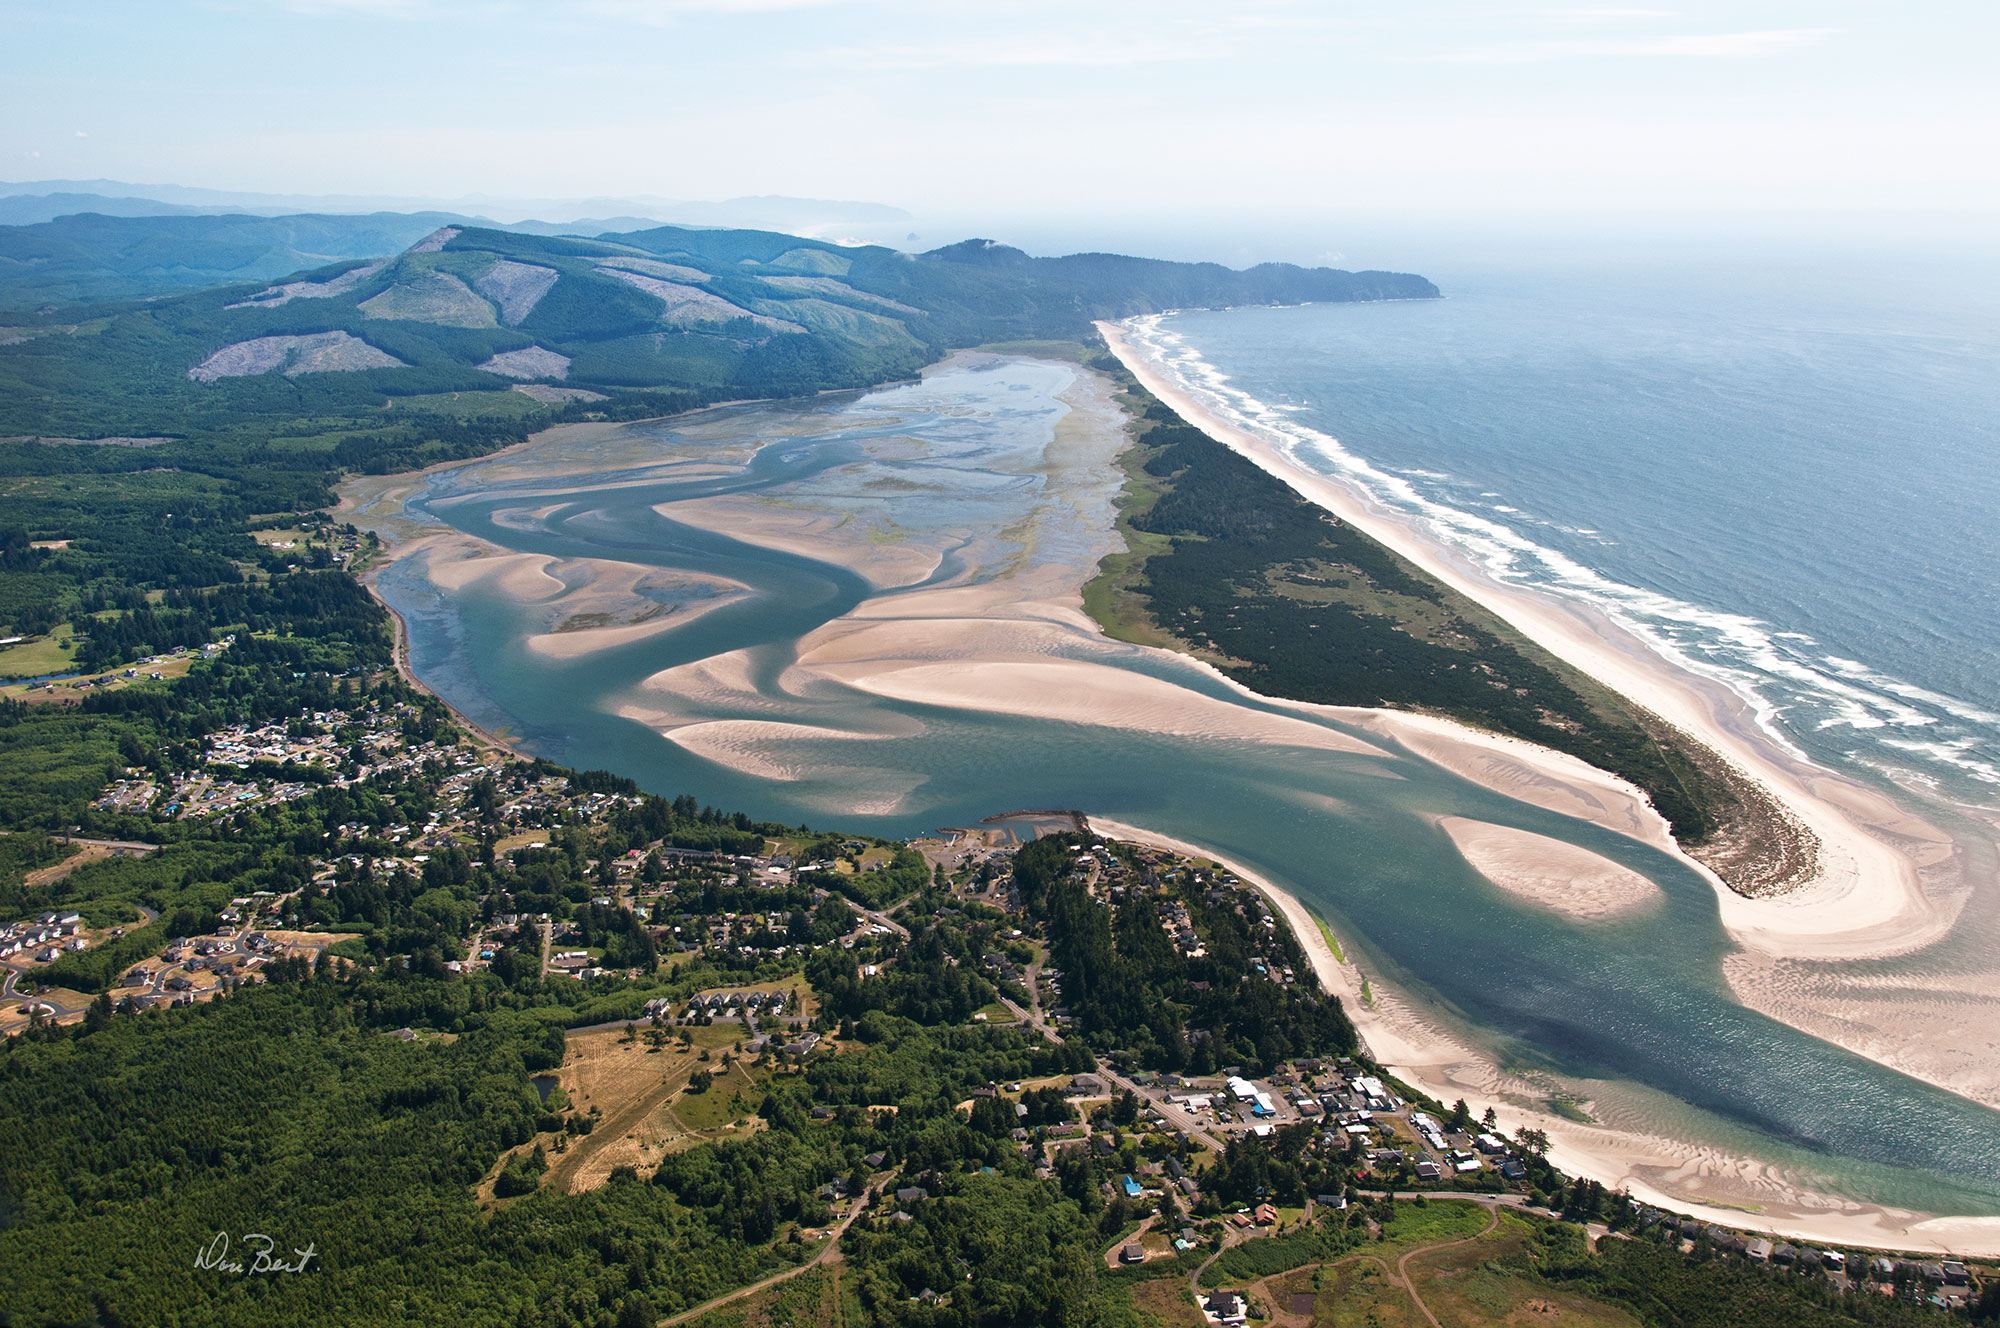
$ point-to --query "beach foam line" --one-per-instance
(1866, 900)
(1741, 652)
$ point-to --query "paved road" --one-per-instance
(1174, 1116)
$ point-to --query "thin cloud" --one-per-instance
(1692, 46)
(660, 13)
(1609, 13)
(1020, 53)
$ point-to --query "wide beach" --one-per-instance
(1887, 882)
(958, 625)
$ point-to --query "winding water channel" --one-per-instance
(1636, 1007)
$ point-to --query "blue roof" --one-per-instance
(1132, 1188)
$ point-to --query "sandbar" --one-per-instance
(1866, 899)
(1550, 873)
(1625, 1148)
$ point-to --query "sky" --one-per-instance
(1025, 108)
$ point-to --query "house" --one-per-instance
(1131, 1254)
(1265, 1215)
(1224, 1307)
(1133, 1189)
(912, 1193)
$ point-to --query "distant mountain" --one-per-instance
(89, 257)
(32, 209)
(820, 218)
(76, 245)
(470, 332)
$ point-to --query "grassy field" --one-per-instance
(167, 669)
(1073, 351)
(1112, 597)
(810, 1300)
(1441, 1252)
(1165, 1301)
(636, 1092)
(1463, 1285)
(40, 656)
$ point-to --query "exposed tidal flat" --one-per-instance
(864, 611)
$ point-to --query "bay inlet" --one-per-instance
(862, 611)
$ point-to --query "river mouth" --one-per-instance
(862, 611)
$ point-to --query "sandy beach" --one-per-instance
(1653, 1166)
(1866, 900)
(1888, 883)
(1007, 634)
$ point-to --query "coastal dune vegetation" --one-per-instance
(1230, 565)
(378, 1104)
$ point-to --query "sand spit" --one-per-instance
(1625, 1150)
(890, 659)
(887, 559)
(1889, 883)
(1867, 899)
(1020, 610)
(1561, 877)
(1941, 1025)
(1552, 780)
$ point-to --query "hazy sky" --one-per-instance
(1021, 107)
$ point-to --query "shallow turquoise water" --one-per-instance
(1639, 1000)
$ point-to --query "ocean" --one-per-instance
(1781, 469)
(1726, 465)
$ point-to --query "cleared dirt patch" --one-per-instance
(554, 395)
(516, 287)
(438, 298)
(639, 1090)
(652, 267)
(533, 362)
(838, 289)
(685, 305)
(318, 352)
(273, 296)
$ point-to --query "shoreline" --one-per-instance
(1866, 899)
(995, 643)
(1433, 1059)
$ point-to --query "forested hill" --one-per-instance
(96, 250)
(251, 399)
(469, 338)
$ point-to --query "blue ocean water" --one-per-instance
(1781, 467)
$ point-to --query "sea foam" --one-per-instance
(1782, 675)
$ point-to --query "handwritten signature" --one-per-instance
(215, 1255)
